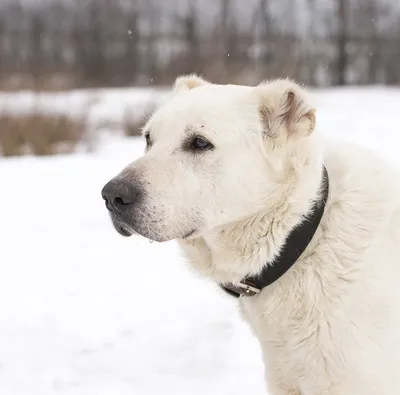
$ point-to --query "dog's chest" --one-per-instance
(295, 336)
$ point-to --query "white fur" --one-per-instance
(331, 324)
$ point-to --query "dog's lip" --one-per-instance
(127, 230)
(191, 233)
(123, 230)
(121, 227)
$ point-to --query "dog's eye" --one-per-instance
(148, 141)
(200, 143)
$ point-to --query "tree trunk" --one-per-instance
(342, 40)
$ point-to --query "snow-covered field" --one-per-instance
(85, 311)
(102, 108)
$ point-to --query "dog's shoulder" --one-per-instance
(361, 182)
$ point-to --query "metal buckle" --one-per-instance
(244, 288)
(248, 289)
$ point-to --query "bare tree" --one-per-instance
(192, 57)
(124, 42)
(312, 62)
(342, 40)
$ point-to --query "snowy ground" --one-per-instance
(102, 108)
(85, 311)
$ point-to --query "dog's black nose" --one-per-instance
(119, 195)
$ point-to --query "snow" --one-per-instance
(84, 311)
(102, 108)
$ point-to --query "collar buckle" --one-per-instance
(244, 288)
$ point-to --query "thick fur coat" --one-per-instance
(331, 324)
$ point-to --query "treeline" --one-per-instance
(97, 43)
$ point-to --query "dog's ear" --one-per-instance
(285, 110)
(188, 82)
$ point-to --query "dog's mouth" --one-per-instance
(127, 230)
(188, 235)
(123, 230)
(121, 227)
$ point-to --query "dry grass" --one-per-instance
(16, 81)
(40, 134)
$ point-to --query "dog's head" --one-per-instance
(214, 154)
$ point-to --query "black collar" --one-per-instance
(296, 242)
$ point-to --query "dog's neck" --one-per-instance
(231, 252)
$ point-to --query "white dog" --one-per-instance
(241, 178)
